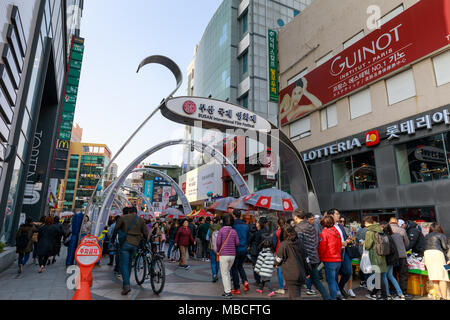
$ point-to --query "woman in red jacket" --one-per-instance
(330, 246)
(184, 239)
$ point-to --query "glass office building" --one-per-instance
(33, 66)
(232, 57)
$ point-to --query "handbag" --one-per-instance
(365, 265)
(353, 252)
(223, 245)
(122, 236)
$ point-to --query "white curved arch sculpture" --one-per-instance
(201, 147)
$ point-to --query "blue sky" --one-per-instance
(113, 99)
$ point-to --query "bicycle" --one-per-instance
(149, 264)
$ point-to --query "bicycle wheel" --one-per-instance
(157, 275)
(140, 269)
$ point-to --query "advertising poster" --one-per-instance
(397, 44)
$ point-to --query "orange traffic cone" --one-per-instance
(84, 291)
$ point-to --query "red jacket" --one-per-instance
(184, 237)
(330, 245)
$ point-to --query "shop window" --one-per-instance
(391, 15)
(360, 104)
(380, 215)
(442, 68)
(328, 117)
(355, 173)
(401, 87)
(427, 214)
(324, 59)
(354, 39)
(423, 160)
(298, 76)
(300, 129)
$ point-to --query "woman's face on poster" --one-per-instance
(297, 95)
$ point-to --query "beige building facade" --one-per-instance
(402, 113)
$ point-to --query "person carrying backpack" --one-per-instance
(375, 243)
(391, 260)
(24, 242)
(213, 233)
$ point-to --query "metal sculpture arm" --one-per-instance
(173, 67)
(141, 195)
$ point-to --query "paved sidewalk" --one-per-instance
(192, 284)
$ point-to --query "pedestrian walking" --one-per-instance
(35, 238)
(292, 256)
(155, 237)
(202, 232)
(345, 272)
(256, 238)
(46, 242)
(307, 234)
(183, 240)
(24, 242)
(86, 227)
(164, 235)
(264, 267)
(330, 245)
(213, 233)
(391, 260)
(113, 245)
(360, 236)
(378, 262)
(174, 225)
(437, 255)
(192, 248)
(402, 242)
(237, 270)
(59, 233)
(227, 242)
(131, 230)
(277, 237)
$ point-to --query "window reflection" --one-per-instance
(354, 173)
(423, 160)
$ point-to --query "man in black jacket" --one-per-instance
(255, 242)
(307, 234)
(416, 238)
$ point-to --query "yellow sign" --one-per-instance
(63, 144)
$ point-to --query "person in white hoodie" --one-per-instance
(264, 267)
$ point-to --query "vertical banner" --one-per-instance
(273, 66)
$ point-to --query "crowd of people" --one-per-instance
(304, 252)
(41, 240)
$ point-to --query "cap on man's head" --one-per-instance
(401, 222)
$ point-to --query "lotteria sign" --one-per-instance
(213, 114)
(416, 33)
(332, 149)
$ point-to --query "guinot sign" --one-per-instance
(397, 44)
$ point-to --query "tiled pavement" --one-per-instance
(192, 284)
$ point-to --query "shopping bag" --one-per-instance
(365, 265)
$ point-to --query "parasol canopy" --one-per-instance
(221, 204)
(273, 199)
(203, 213)
(240, 203)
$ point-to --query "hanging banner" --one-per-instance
(273, 66)
(397, 44)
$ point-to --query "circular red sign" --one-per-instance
(87, 254)
(189, 107)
